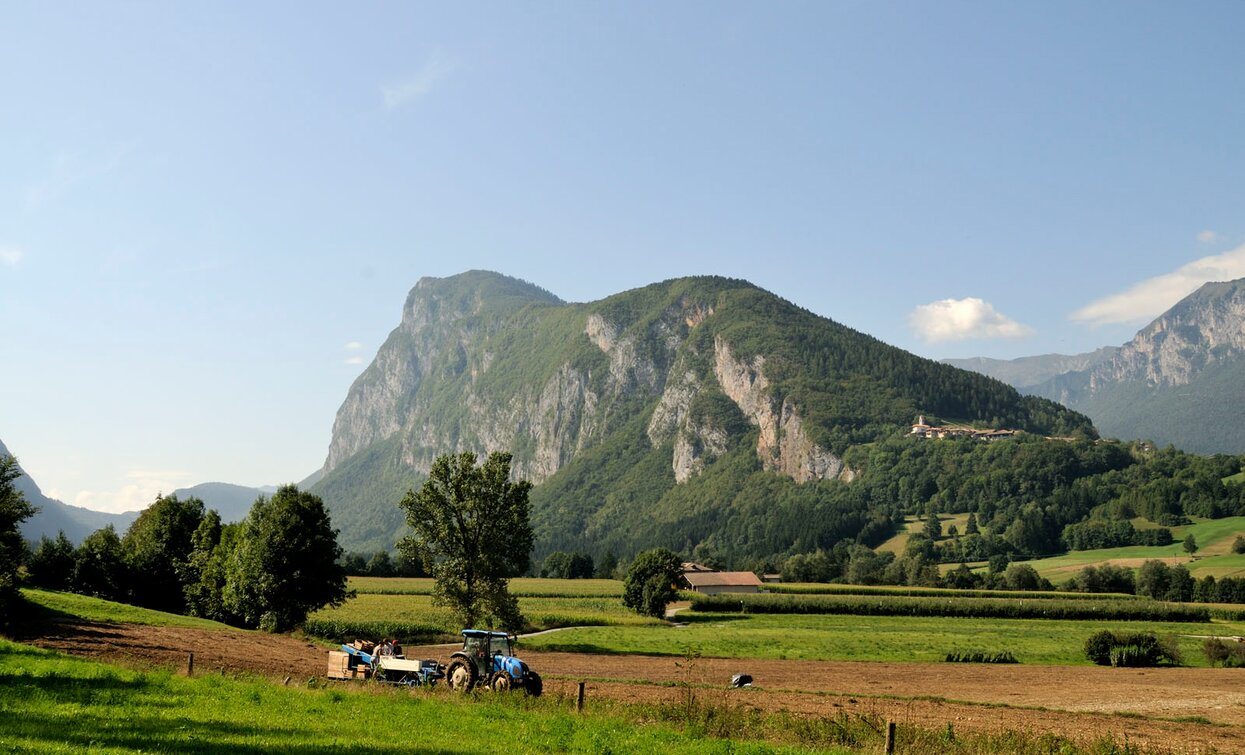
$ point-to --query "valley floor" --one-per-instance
(1078, 702)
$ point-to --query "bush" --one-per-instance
(1098, 647)
(980, 656)
(1133, 649)
(1226, 654)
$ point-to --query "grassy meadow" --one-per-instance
(869, 638)
(58, 704)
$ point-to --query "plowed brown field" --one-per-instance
(1077, 702)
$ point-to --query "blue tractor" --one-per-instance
(486, 660)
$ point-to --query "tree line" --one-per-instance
(268, 571)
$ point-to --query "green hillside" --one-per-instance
(483, 362)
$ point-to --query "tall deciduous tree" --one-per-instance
(285, 563)
(13, 511)
(157, 551)
(51, 565)
(652, 582)
(471, 530)
(99, 566)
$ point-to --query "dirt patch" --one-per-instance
(1077, 702)
(139, 646)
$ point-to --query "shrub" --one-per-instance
(980, 656)
(1134, 649)
(1226, 654)
(1098, 647)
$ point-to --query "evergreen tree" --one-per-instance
(13, 511)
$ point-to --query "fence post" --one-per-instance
(190, 664)
(579, 703)
(890, 738)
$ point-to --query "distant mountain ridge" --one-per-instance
(1180, 380)
(232, 502)
(53, 516)
(628, 411)
(1029, 371)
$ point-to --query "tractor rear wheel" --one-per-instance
(460, 675)
(533, 685)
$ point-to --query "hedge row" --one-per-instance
(987, 608)
(340, 630)
(980, 656)
(938, 592)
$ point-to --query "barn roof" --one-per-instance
(722, 579)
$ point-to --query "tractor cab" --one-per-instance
(486, 659)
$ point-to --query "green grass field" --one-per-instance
(912, 524)
(98, 609)
(412, 617)
(57, 704)
(866, 638)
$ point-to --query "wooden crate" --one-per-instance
(339, 665)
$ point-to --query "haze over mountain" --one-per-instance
(55, 516)
(232, 502)
(1180, 380)
(678, 413)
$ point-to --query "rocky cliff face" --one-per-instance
(1178, 381)
(483, 363)
(784, 446)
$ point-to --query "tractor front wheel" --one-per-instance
(460, 675)
(500, 682)
(533, 685)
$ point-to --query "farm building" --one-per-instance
(714, 582)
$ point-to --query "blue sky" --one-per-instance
(210, 213)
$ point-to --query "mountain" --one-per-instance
(54, 516)
(1180, 380)
(232, 502)
(696, 412)
(1029, 371)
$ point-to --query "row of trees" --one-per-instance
(267, 571)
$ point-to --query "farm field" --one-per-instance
(412, 615)
(913, 524)
(530, 587)
(866, 638)
(1213, 557)
(792, 696)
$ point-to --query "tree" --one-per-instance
(51, 565)
(933, 527)
(157, 548)
(286, 562)
(13, 511)
(99, 566)
(212, 547)
(471, 530)
(608, 565)
(1238, 545)
(971, 527)
(652, 582)
(1190, 544)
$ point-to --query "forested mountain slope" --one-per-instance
(696, 412)
(1181, 380)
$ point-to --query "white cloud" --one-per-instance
(423, 81)
(138, 492)
(10, 255)
(960, 319)
(1154, 296)
(353, 360)
(353, 346)
(1208, 237)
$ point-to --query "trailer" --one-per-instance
(355, 663)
